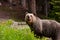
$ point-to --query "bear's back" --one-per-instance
(50, 27)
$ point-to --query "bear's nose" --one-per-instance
(28, 18)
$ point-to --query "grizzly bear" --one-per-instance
(43, 27)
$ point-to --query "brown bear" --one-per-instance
(43, 27)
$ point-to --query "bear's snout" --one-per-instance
(28, 18)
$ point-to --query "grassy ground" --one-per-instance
(9, 33)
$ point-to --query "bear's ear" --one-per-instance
(35, 14)
(26, 12)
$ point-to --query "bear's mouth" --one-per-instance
(28, 19)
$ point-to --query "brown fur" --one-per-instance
(42, 27)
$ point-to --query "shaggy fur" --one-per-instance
(41, 27)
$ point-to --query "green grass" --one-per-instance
(9, 33)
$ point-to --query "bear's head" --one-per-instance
(30, 17)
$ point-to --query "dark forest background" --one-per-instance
(15, 9)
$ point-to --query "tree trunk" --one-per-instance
(46, 8)
(33, 6)
(24, 4)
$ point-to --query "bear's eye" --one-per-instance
(31, 15)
